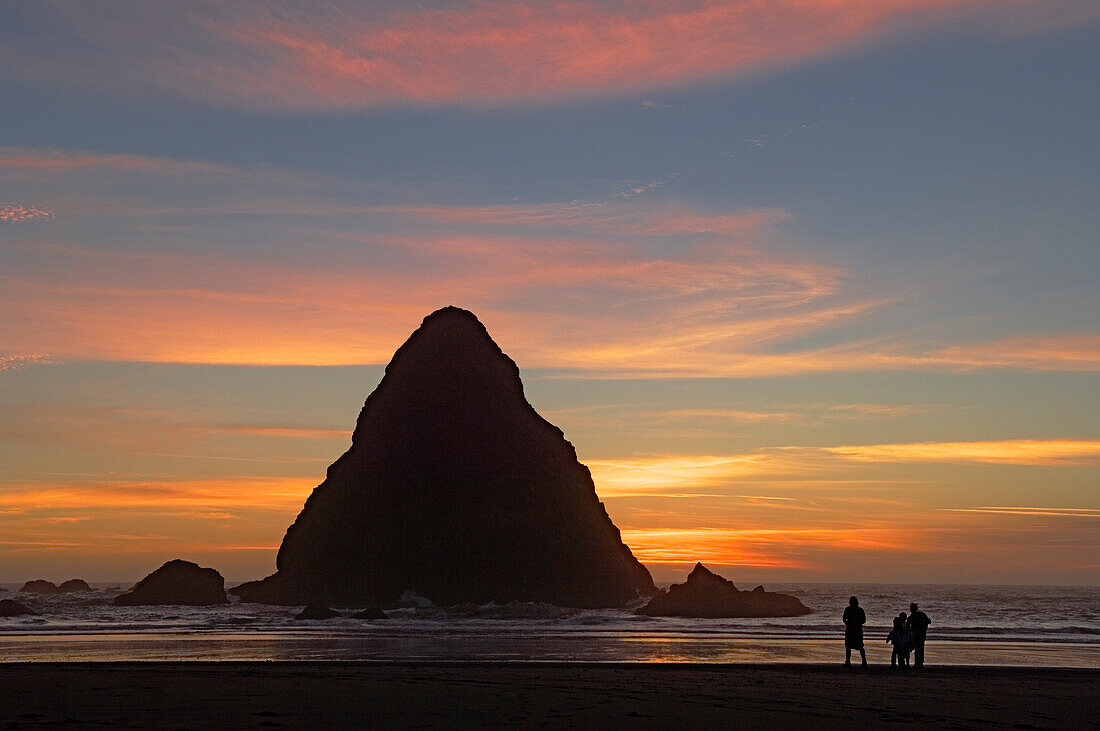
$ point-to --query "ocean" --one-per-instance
(1042, 626)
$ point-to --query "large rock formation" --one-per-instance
(8, 608)
(706, 594)
(73, 585)
(39, 586)
(454, 487)
(177, 582)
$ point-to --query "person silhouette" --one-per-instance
(907, 637)
(918, 632)
(854, 619)
(898, 637)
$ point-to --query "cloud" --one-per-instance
(17, 213)
(692, 475)
(319, 271)
(213, 493)
(49, 159)
(22, 360)
(1068, 352)
(1030, 512)
(351, 55)
(768, 547)
(1034, 452)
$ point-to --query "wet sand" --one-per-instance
(357, 694)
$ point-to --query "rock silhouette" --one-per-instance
(369, 613)
(706, 594)
(73, 585)
(455, 488)
(9, 608)
(39, 586)
(317, 611)
(177, 582)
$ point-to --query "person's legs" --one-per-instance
(918, 653)
(863, 656)
(894, 658)
(847, 656)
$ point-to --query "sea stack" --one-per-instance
(38, 586)
(706, 594)
(455, 488)
(177, 582)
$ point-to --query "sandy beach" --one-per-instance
(343, 695)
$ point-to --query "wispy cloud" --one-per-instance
(18, 213)
(251, 492)
(22, 360)
(348, 55)
(694, 474)
(767, 547)
(1030, 512)
(1045, 452)
(610, 289)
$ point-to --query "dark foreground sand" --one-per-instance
(328, 695)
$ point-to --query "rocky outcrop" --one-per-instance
(317, 611)
(177, 582)
(455, 488)
(706, 594)
(369, 613)
(39, 586)
(8, 608)
(73, 585)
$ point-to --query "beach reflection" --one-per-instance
(288, 646)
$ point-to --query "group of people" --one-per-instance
(907, 636)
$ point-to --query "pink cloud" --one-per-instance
(493, 51)
(347, 55)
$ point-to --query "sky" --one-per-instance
(811, 285)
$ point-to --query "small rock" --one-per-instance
(370, 613)
(317, 611)
(706, 594)
(8, 608)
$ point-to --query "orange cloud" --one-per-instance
(673, 474)
(252, 492)
(1030, 512)
(1036, 452)
(573, 286)
(764, 547)
(1072, 352)
(15, 362)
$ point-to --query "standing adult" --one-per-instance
(854, 619)
(918, 630)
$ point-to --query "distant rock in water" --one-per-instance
(8, 608)
(317, 611)
(706, 594)
(455, 488)
(73, 585)
(369, 613)
(177, 582)
(39, 586)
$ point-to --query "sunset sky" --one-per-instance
(811, 285)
